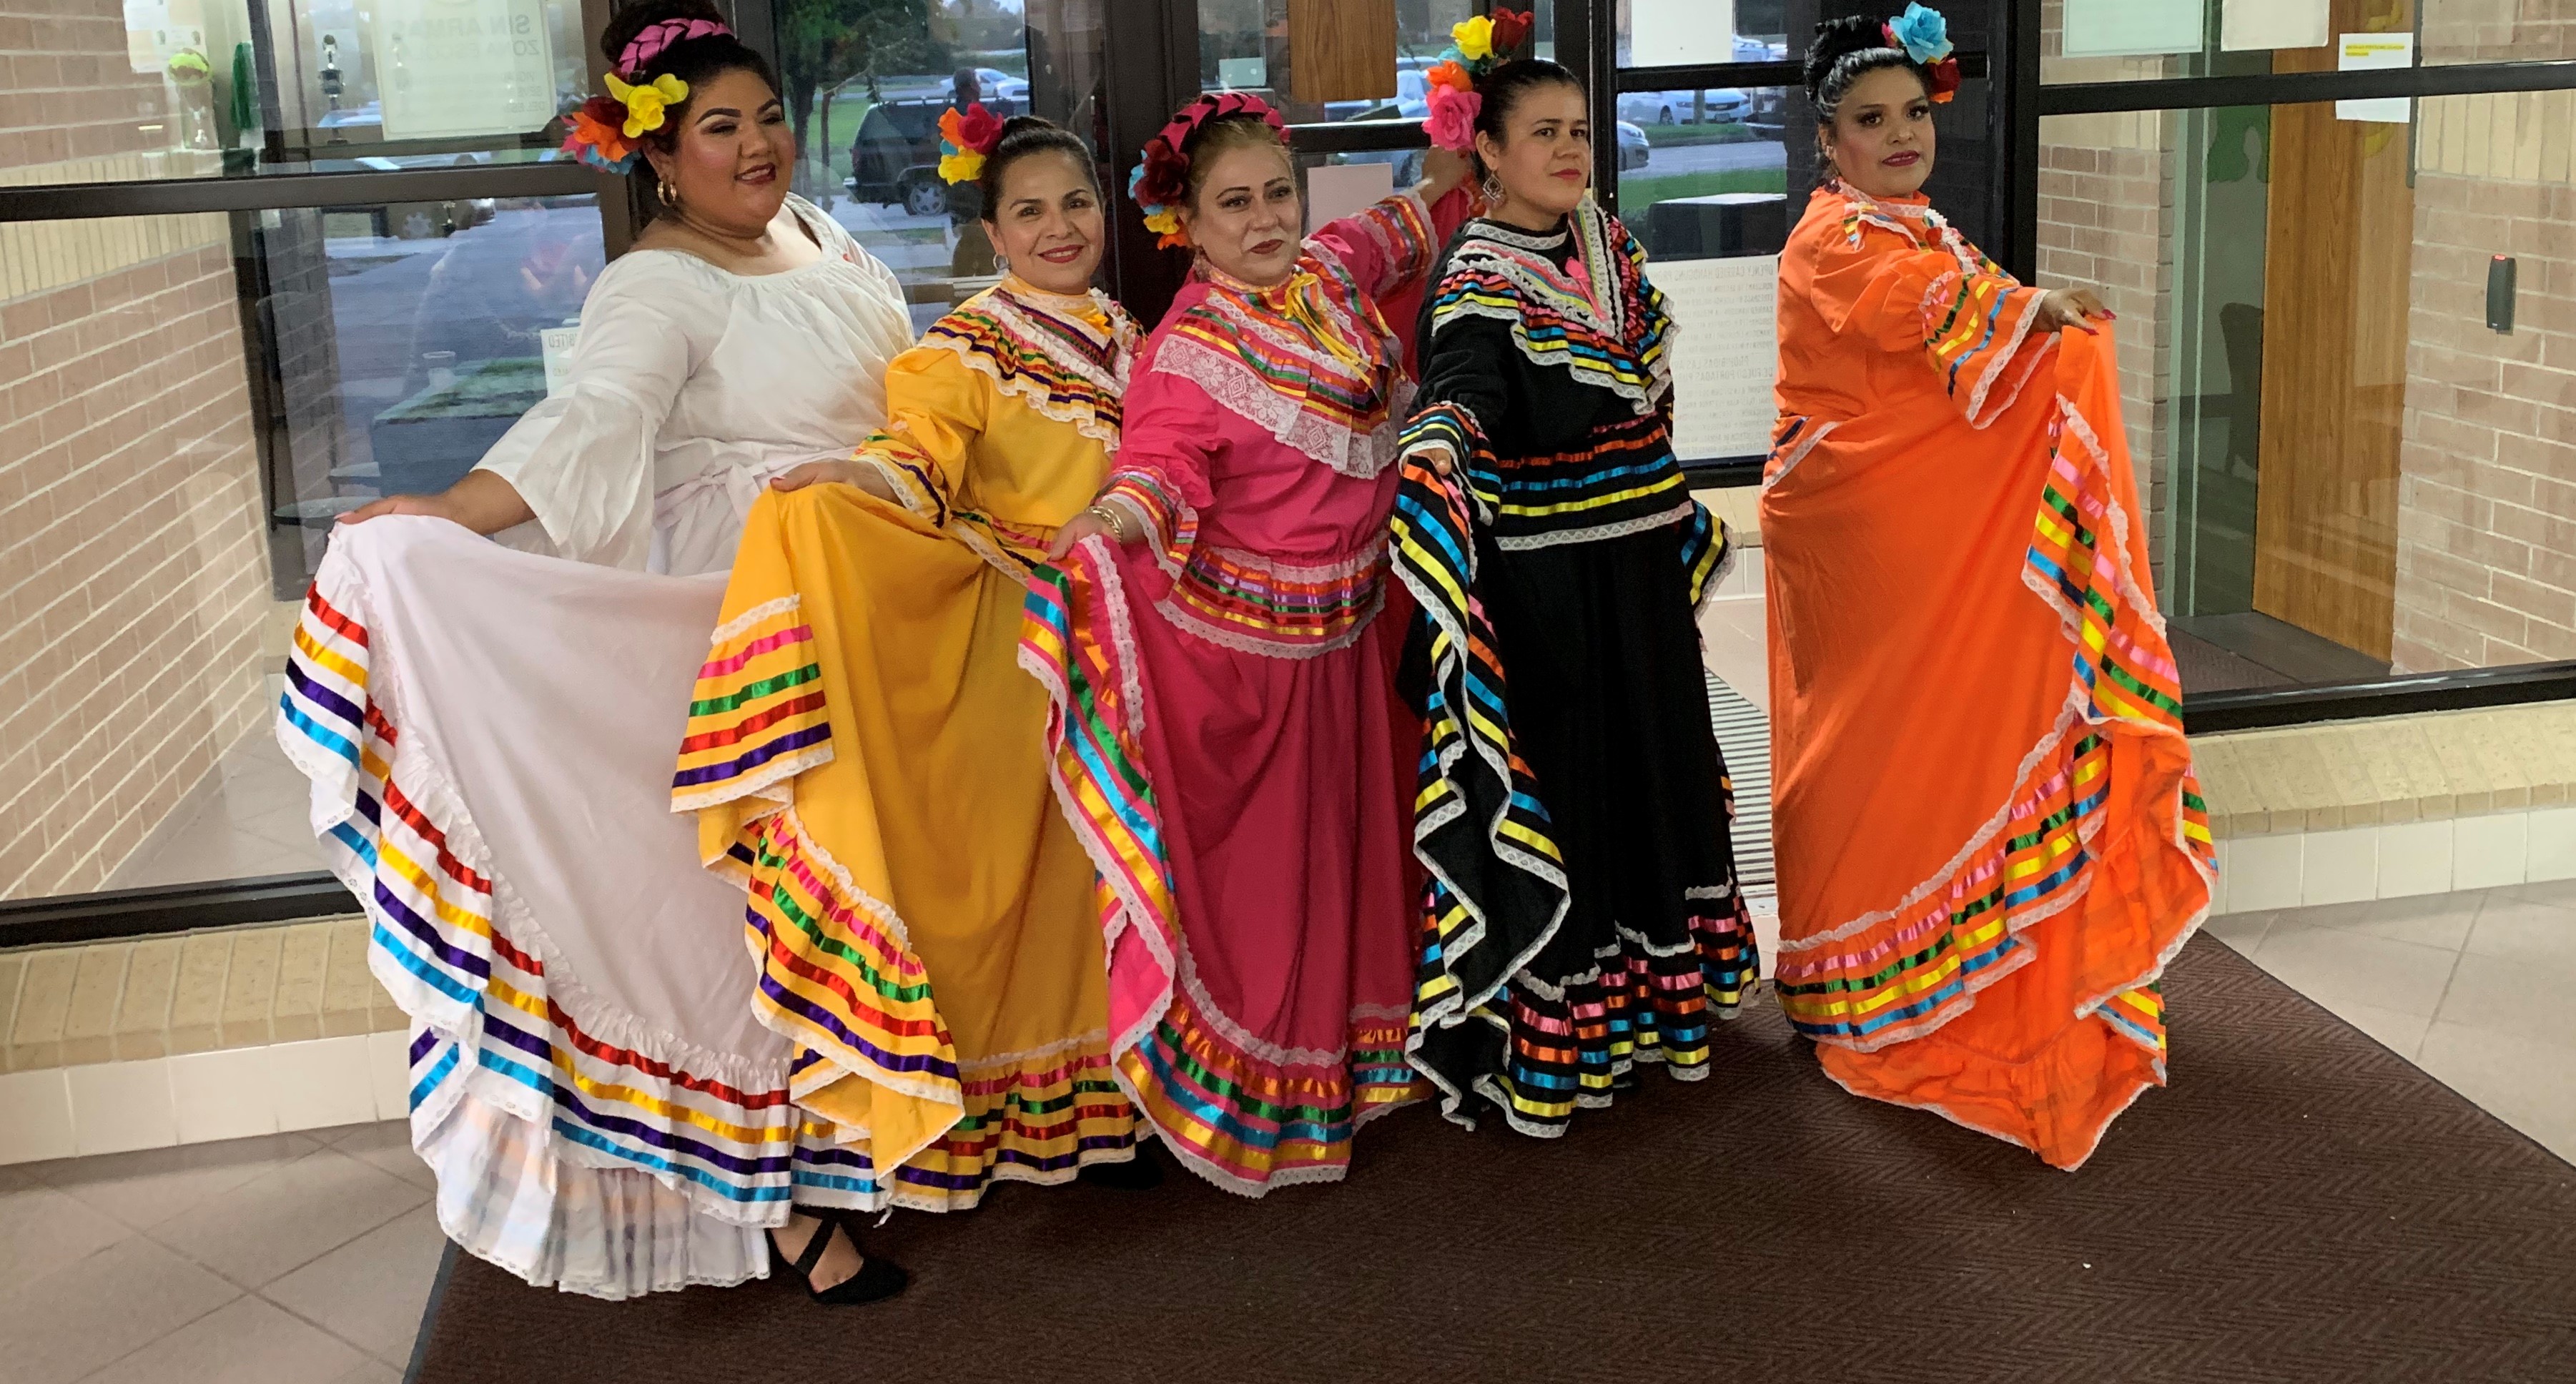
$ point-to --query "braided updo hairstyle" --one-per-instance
(692, 60)
(1214, 137)
(1846, 50)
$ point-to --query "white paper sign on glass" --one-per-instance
(1670, 33)
(2375, 53)
(2129, 28)
(1726, 353)
(1334, 191)
(2252, 24)
(460, 69)
(556, 344)
(158, 30)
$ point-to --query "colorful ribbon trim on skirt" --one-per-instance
(1246, 1120)
(1497, 890)
(484, 1020)
(1884, 980)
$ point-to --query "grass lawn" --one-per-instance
(1636, 192)
(1676, 136)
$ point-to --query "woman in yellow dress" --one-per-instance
(865, 752)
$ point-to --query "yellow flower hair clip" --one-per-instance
(1474, 37)
(647, 102)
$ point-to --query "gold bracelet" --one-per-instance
(1110, 519)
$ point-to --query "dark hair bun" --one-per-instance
(1837, 39)
(624, 25)
(1023, 135)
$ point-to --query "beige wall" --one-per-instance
(133, 573)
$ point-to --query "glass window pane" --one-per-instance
(1243, 46)
(176, 454)
(2452, 31)
(199, 88)
(1712, 181)
(866, 92)
(2348, 375)
(1677, 32)
(2459, 31)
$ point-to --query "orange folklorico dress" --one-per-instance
(1990, 841)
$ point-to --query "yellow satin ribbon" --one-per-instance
(1302, 301)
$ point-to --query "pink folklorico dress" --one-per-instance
(1226, 726)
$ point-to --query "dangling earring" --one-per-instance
(670, 196)
(1493, 188)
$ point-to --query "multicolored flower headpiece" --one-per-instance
(966, 139)
(1477, 46)
(1161, 182)
(603, 130)
(1925, 37)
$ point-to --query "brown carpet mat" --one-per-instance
(2302, 1205)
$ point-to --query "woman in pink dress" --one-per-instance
(1225, 717)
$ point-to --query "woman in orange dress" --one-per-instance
(1990, 840)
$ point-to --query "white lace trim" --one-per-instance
(1030, 392)
(1191, 623)
(1521, 543)
(738, 625)
(1814, 434)
(1235, 388)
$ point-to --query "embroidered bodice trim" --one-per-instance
(1066, 357)
(1309, 360)
(1607, 325)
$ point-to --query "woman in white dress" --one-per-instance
(490, 727)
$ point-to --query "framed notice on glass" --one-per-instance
(2129, 28)
(463, 69)
(1726, 354)
(1678, 33)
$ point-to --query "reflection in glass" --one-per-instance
(1696, 191)
(865, 91)
(2354, 437)
(208, 87)
(2450, 32)
(403, 341)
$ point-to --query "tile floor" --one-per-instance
(280, 1260)
(2472, 987)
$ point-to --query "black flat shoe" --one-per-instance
(1139, 1174)
(876, 1280)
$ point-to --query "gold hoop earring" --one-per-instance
(670, 195)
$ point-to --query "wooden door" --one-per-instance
(2338, 257)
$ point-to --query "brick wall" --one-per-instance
(133, 574)
(2486, 555)
(67, 91)
(2457, 31)
(2106, 198)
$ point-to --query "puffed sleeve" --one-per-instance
(936, 407)
(1975, 327)
(1383, 246)
(583, 460)
(1165, 448)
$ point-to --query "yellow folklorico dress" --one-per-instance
(865, 752)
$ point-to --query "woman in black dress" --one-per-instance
(1583, 915)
